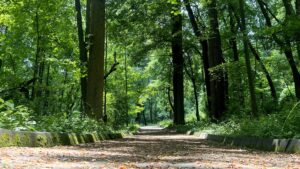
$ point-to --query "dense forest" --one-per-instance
(226, 66)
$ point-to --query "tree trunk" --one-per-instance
(235, 52)
(297, 4)
(192, 76)
(234, 31)
(47, 92)
(204, 43)
(150, 110)
(105, 119)
(286, 47)
(83, 56)
(170, 99)
(218, 84)
(196, 99)
(265, 71)
(144, 116)
(126, 89)
(177, 54)
(251, 82)
(96, 60)
(37, 53)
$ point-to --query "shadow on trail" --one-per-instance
(159, 147)
(152, 147)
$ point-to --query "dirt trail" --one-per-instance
(152, 148)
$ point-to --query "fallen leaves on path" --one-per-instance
(145, 151)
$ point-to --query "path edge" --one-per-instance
(10, 138)
(267, 144)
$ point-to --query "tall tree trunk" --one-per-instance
(289, 8)
(105, 80)
(286, 47)
(144, 117)
(196, 99)
(257, 57)
(177, 54)
(96, 59)
(150, 110)
(126, 89)
(234, 31)
(218, 84)
(170, 100)
(204, 43)
(47, 92)
(83, 56)
(37, 53)
(251, 82)
(297, 4)
(235, 52)
(192, 76)
(265, 71)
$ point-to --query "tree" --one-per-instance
(204, 44)
(177, 56)
(285, 45)
(95, 81)
(83, 56)
(218, 83)
(247, 60)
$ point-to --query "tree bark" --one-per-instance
(218, 84)
(126, 89)
(83, 56)
(234, 46)
(170, 99)
(204, 43)
(96, 59)
(37, 53)
(192, 76)
(297, 4)
(233, 40)
(177, 54)
(251, 81)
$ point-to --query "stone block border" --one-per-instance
(45, 139)
(277, 145)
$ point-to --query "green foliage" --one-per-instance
(284, 124)
(15, 117)
(165, 123)
(72, 123)
(133, 128)
(141, 31)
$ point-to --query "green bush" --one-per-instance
(15, 117)
(72, 123)
(165, 123)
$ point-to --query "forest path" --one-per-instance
(152, 148)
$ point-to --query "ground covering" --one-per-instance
(152, 148)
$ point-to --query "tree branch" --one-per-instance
(113, 67)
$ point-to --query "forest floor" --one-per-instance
(152, 148)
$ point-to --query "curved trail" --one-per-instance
(152, 148)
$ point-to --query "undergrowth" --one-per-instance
(20, 118)
(282, 124)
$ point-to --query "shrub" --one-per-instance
(15, 117)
